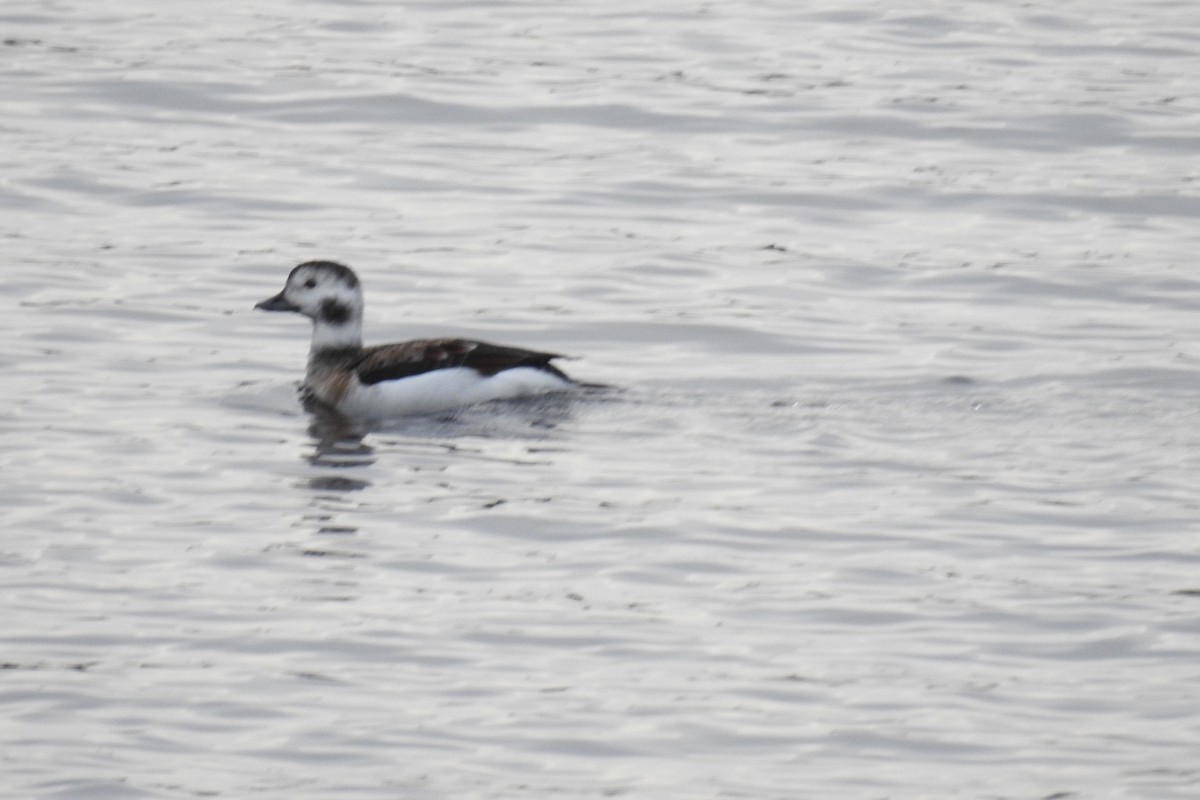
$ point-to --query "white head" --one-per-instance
(330, 295)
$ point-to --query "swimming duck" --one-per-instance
(422, 376)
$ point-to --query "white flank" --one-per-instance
(446, 389)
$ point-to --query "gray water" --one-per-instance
(896, 494)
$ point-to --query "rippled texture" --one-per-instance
(896, 497)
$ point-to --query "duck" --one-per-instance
(422, 376)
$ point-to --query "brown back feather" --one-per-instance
(392, 361)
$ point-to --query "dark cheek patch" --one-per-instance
(334, 312)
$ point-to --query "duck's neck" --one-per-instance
(339, 336)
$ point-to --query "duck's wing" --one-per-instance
(389, 362)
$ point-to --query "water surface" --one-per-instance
(895, 497)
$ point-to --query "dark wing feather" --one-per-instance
(390, 362)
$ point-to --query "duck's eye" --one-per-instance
(311, 283)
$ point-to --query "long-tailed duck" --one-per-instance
(418, 377)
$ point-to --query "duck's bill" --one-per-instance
(276, 303)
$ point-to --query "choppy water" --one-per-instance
(898, 497)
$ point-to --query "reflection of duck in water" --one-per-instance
(418, 377)
(338, 450)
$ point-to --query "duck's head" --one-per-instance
(326, 292)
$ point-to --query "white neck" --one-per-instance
(337, 337)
